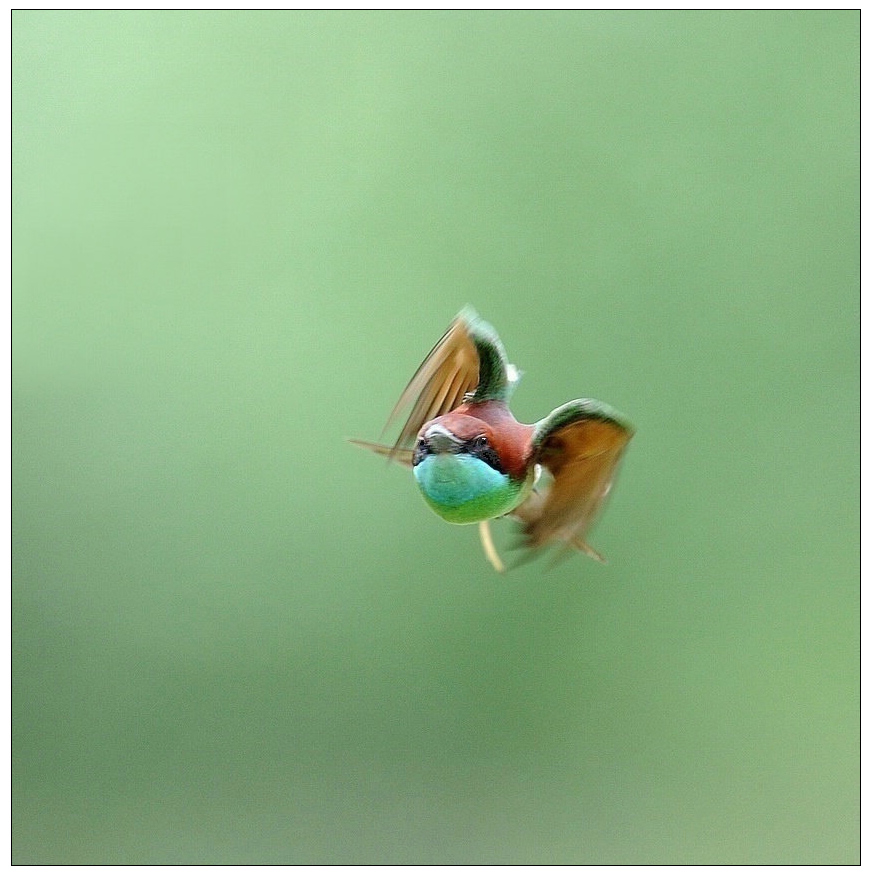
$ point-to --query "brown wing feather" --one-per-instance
(582, 458)
(448, 373)
(403, 457)
(531, 511)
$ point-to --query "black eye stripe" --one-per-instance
(422, 449)
(477, 447)
(481, 449)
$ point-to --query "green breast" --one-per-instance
(464, 489)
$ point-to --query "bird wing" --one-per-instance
(580, 444)
(468, 360)
(402, 456)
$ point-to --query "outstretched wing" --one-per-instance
(580, 444)
(468, 360)
(401, 456)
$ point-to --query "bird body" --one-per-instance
(473, 461)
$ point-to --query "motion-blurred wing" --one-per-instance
(402, 456)
(580, 444)
(468, 360)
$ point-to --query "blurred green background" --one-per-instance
(238, 639)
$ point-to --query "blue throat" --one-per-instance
(463, 489)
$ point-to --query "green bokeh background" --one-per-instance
(238, 639)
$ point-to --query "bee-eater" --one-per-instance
(474, 462)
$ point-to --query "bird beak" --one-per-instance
(441, 440)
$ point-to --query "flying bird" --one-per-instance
(474, 462)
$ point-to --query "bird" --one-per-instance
(474, 462)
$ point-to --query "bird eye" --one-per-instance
(422, 448)
(480, 447)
